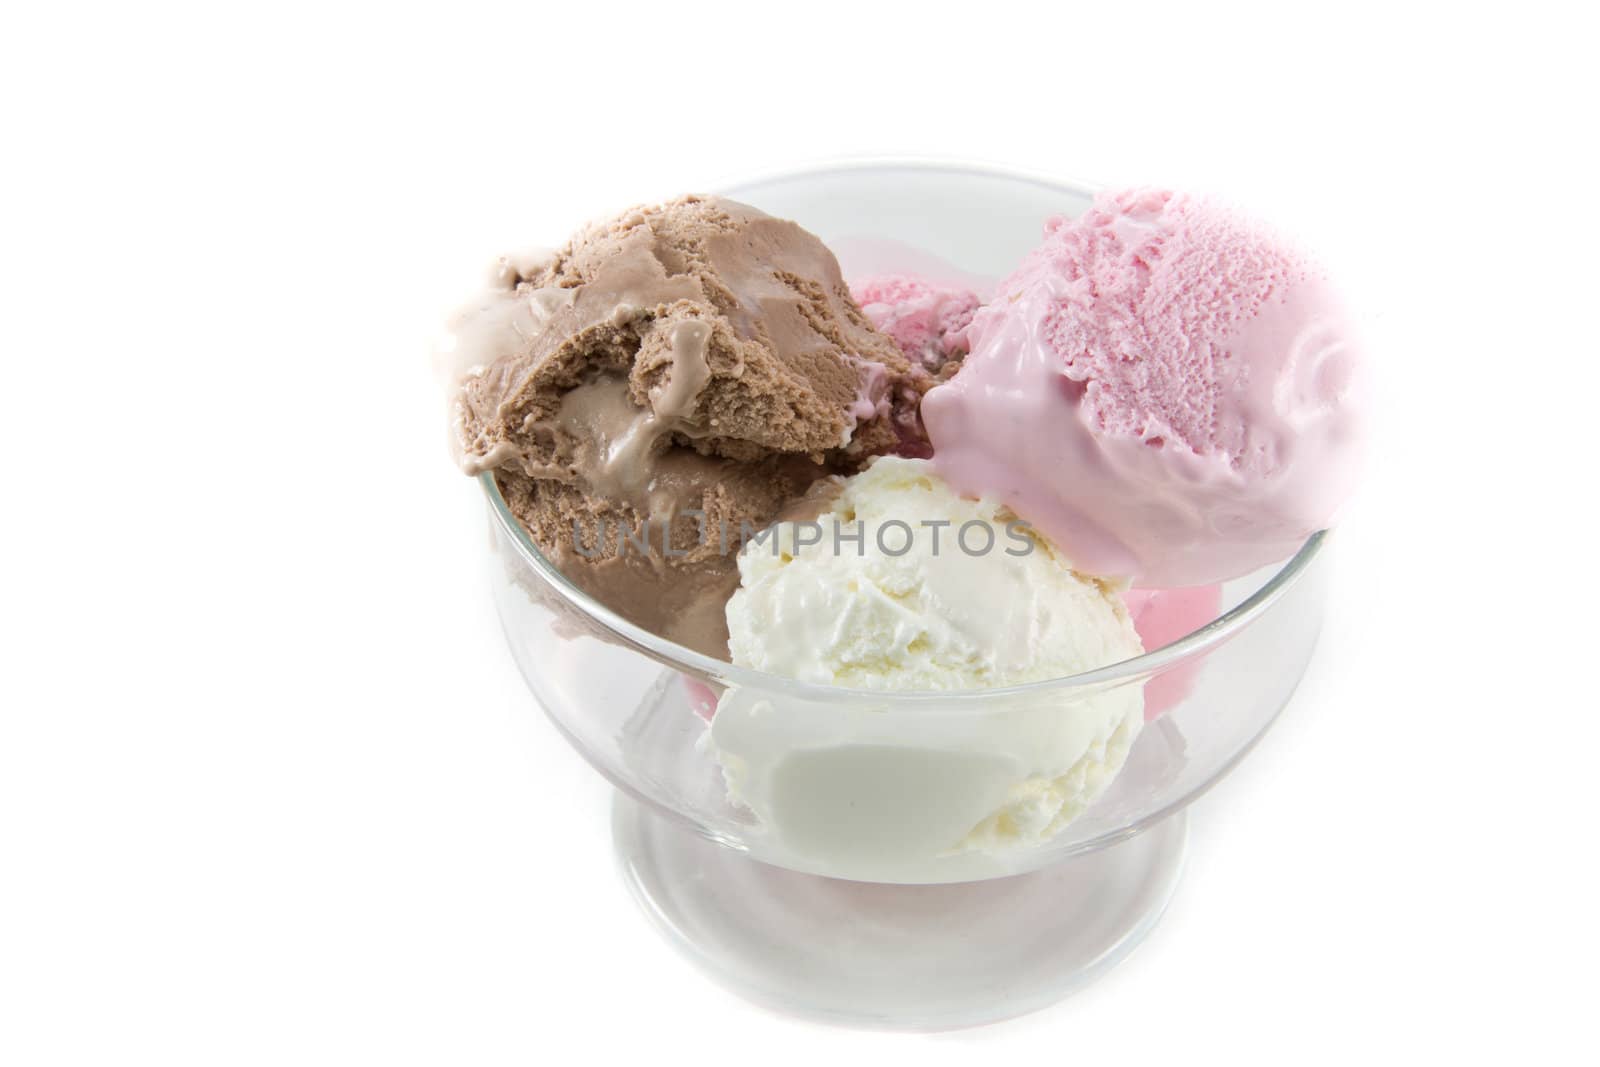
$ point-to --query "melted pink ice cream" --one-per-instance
(926, 319)
(1162, 616)
(1164, 388)
(703, 699)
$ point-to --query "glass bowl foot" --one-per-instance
(904, 957)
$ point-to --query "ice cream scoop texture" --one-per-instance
(1165, 387)
(927, 320)
(935, 616)
(681, 371)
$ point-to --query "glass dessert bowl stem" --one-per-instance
(902, 957)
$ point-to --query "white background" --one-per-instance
(271, 790)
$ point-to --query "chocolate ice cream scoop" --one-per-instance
(661, 387)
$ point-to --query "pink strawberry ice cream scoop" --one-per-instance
(927, 320)
(1165, 388)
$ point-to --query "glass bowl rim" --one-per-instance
(699, 665)
(734, 185)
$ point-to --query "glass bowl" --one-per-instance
(861, 913)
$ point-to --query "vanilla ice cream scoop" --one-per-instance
(900, 584)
